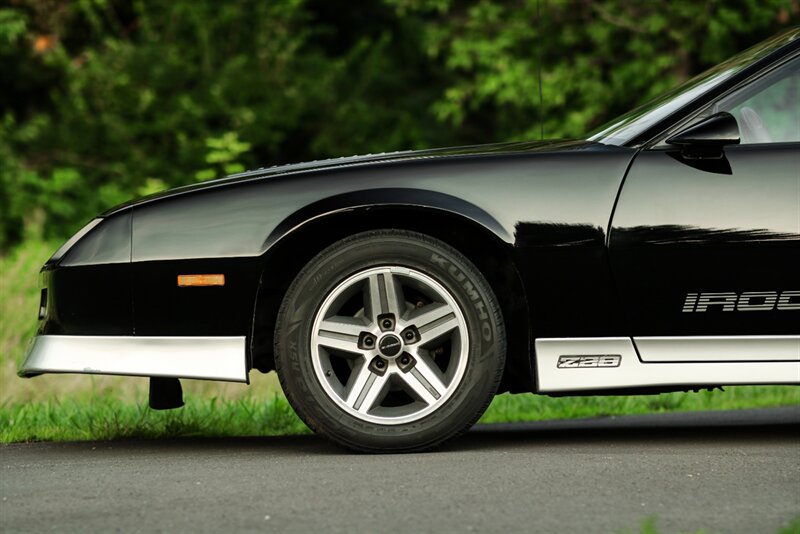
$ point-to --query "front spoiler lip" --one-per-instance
(207, 358)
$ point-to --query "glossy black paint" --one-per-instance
(518, 199)
(568, 279)
(164, 309)
(107, 243)
(577, 238)
(89, 289)
(678, 229)
(715, 131)
(88, 300)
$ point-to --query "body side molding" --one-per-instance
(697, 349)
(211, 358)
(635, 373)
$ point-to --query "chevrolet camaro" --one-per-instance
(396, 294)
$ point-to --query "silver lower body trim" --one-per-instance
(718, 348)
(210, 358)
(634, 373)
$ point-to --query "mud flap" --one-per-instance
(165, 393)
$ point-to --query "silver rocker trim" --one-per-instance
(634, 373)
(718, 348)
(210, 358)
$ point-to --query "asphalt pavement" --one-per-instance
(726, 472)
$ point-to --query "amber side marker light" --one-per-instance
(199, 280)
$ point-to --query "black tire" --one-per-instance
(468, 398)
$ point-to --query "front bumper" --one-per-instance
(210, 358)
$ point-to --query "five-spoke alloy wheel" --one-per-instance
(391, 370)
(389, 341)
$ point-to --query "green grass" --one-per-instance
(75, 407)
(19, 296)
(792, 528)
(105, 417)
(109, 418)
(649, 526)
(510, 408)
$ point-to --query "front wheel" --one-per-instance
(389, 341)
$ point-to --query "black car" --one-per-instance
(396, 294)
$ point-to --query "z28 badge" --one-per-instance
(580, 362)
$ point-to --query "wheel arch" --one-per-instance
(462, 225)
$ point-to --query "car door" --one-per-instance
(707, 250)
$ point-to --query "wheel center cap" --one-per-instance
(390, 345)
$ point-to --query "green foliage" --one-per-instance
(598, 59)
(649, 525)
(223, 151)
(105, 100)
(12, 26)
(792, 528)
(19, 300)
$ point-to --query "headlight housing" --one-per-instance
(102, 241)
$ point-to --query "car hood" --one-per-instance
(368, 159)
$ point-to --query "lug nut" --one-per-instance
(369, 342)
(380, 364)
(387, 323)
(404, 360)
(409, 335)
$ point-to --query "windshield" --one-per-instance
(625, 128)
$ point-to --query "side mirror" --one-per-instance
(713, 133)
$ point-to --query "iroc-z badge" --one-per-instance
(582, 362)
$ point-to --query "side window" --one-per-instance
(768, 110)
